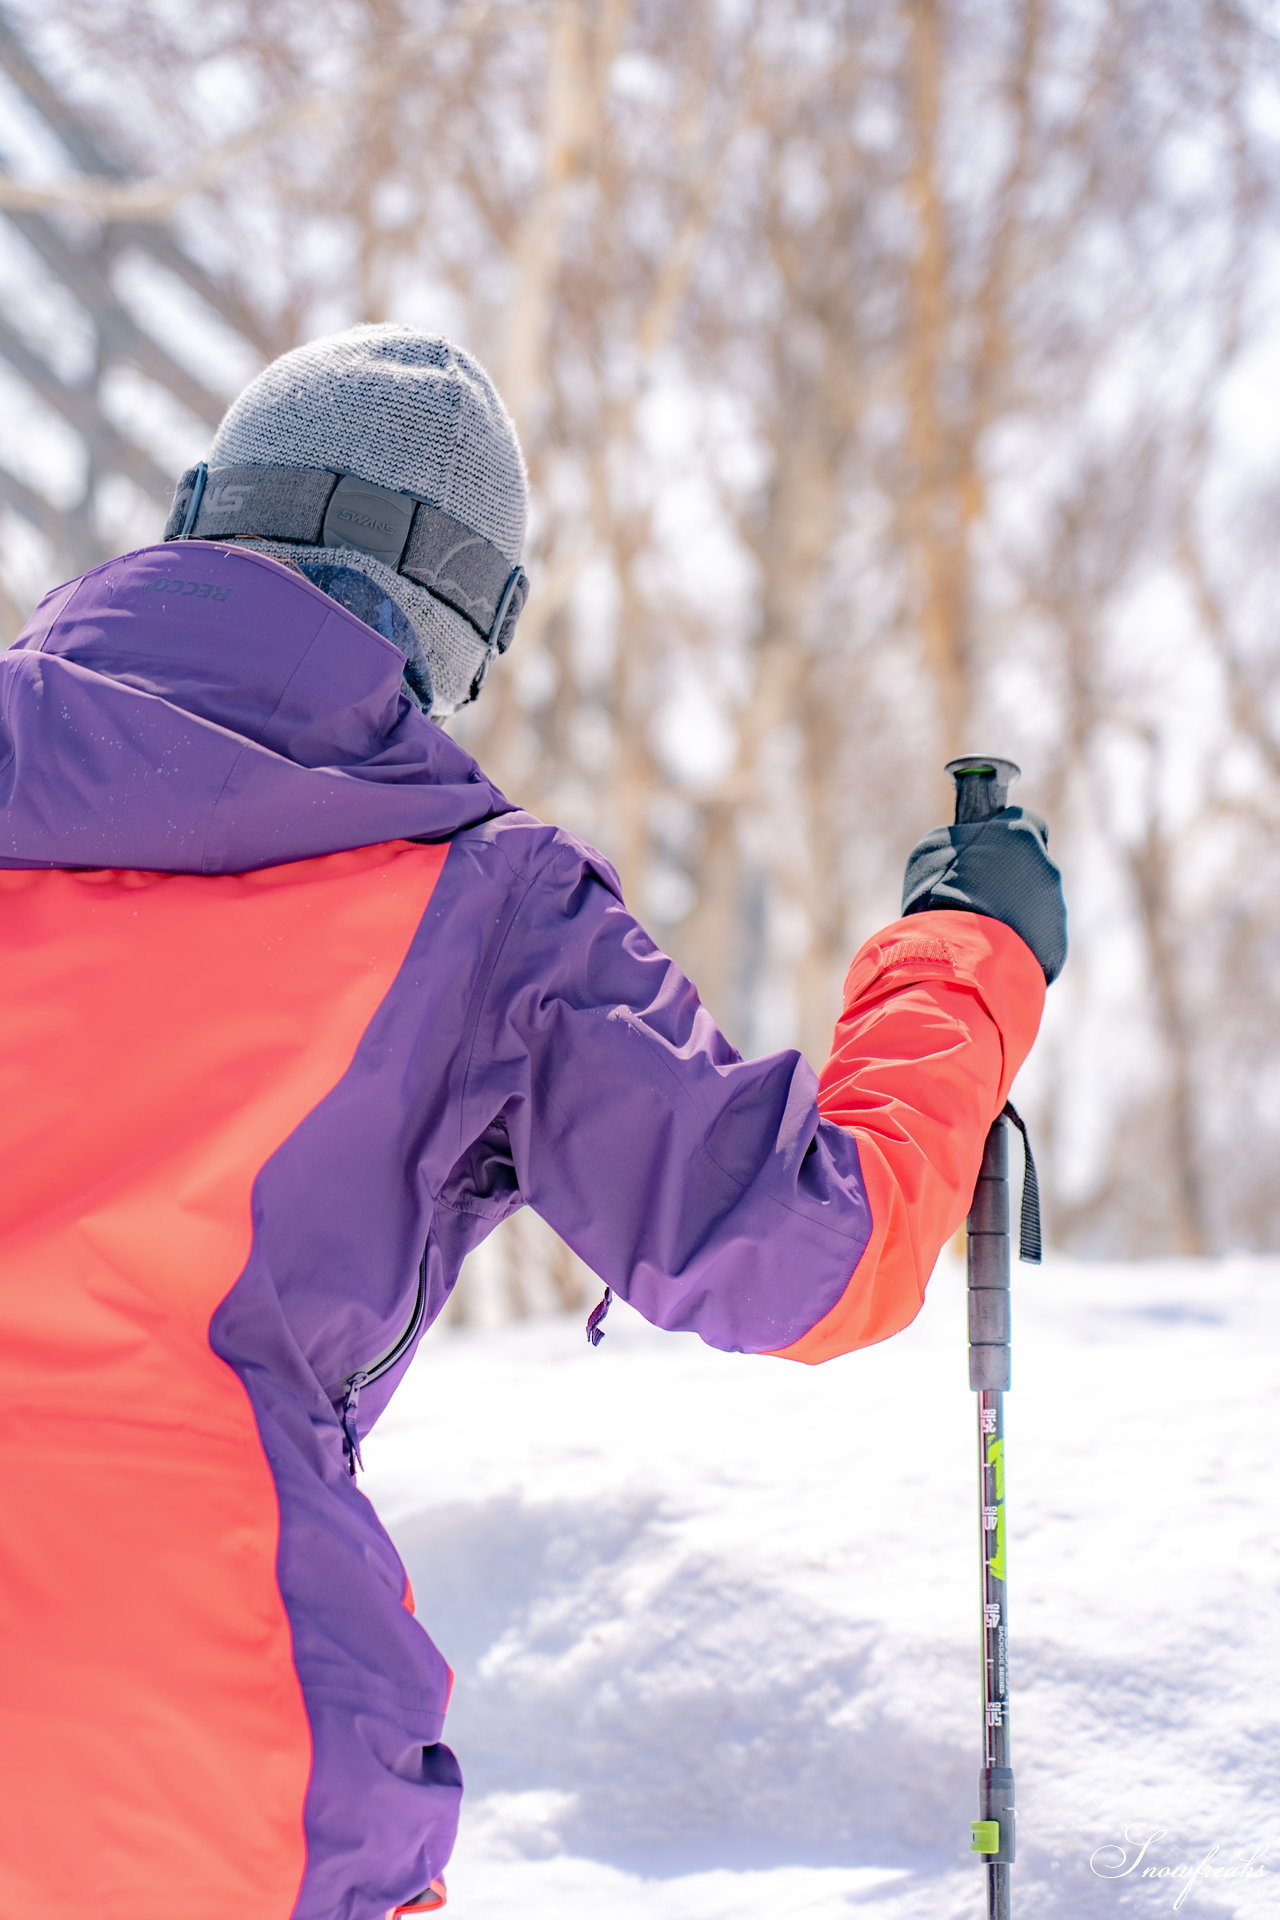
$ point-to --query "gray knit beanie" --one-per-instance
(408, 411)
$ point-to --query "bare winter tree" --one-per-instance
(880, 371)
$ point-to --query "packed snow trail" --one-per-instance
(714, 1626)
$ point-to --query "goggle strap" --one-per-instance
(315, 507)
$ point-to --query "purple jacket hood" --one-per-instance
(192, 708)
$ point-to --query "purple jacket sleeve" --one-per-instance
(704, 1189)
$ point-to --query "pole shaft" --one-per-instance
(982, 789)
(989, 1264)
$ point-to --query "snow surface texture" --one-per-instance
(714, 1618)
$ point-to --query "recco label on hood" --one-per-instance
(193, 589)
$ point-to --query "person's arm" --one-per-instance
(940, 1011)
(729, 1197)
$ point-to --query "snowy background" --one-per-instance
(714, 1619)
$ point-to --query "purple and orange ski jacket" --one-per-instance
(295, 1006)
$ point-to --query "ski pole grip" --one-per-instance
(988, 1251)
(982, 785)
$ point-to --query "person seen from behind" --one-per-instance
(296, 1007)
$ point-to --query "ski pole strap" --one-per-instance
(1029, 1245)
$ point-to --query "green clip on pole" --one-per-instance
(982, 788)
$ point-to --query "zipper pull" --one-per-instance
(595, 1319)
(350, 1432)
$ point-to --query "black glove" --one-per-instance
(1000, 867)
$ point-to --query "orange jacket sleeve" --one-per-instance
(940, 1011)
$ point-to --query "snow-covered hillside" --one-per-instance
(713, 1619)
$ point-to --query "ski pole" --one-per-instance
(982, 787)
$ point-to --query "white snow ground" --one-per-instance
(713, 1618)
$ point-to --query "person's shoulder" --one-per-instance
(540, 854)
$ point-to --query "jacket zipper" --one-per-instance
(356, 1382)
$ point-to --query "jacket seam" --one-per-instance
(475, 1212)
(484, 985)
